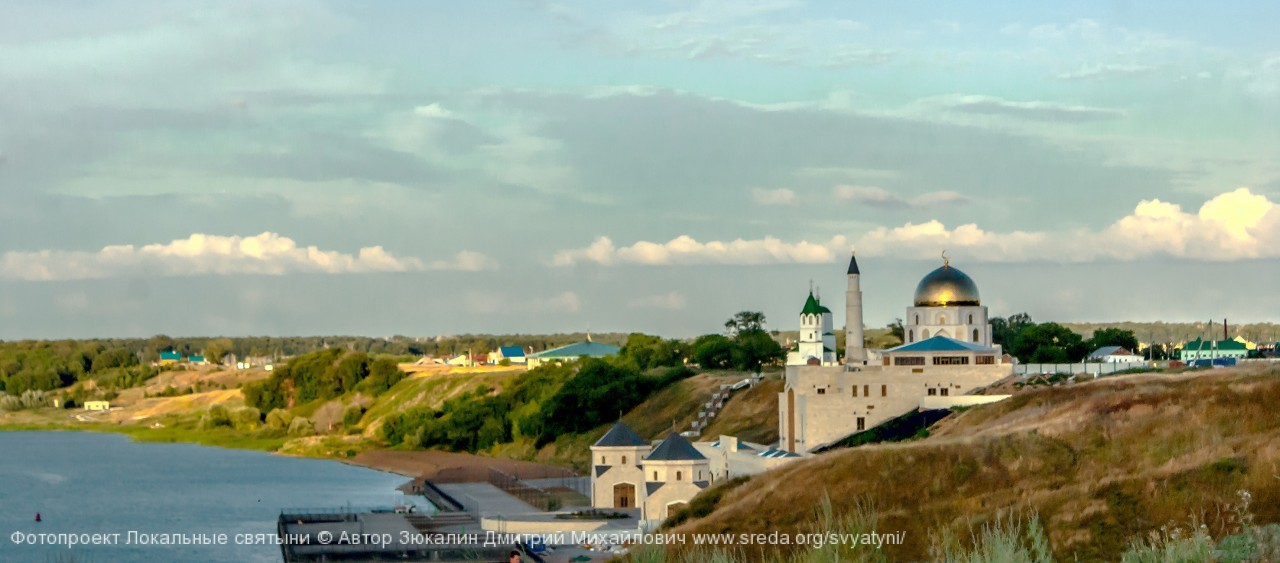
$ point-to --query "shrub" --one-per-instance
(352, 415)
(301, 427)
(33, 399)
(10, 403)
(279, 419)
(215, 417)
(246, 418)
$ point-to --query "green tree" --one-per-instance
(1113, 337)
(753, 349)
(745, 321)
(1048, 343)
(713, 351)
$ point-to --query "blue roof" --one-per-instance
(588, 348)
(512, 351)
(170, 356)
(940, 344)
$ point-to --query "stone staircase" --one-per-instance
(713, 407)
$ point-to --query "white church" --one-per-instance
(947, 356)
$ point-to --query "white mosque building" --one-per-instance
(946, 357)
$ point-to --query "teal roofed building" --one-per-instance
(1213, 349)
(574, 351)
(170, 357)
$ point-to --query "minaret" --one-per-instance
(855, 354)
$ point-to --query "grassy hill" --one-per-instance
(1098, 463)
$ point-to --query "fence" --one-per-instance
(1078, 368)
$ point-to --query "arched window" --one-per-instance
(624, 460)
(678, 475)
(942, 319)
(975, 335)
(917, 319)
(911, 336)
(970, 319)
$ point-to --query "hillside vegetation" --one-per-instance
(1100, 464)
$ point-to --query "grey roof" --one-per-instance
(701, 484)
(675, 448)
(601, 469)
(1106, 351)
(853, 264)
(651, 487)
(741, 446)
(620, 436)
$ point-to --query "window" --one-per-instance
(911, 335)
(908, 361)
(975, 335)
(679, 475)
(655, 473)
(944, 391)
(602, 461)
(862, 424)
(917, 319)
(942, 319)
(624, 460)
(866, 390)
(970, 319)
(932, 392)
(985, 360)
(855, 390)
(951, 360)
(822, 390)
(884, 390)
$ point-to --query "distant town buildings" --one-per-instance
(513, 354)
(572, 352)
(1114, 355)
(1199, 349)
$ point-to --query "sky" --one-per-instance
(420, 168)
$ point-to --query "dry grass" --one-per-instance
(751, 414)
(1100, 462)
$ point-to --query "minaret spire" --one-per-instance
(855, 352)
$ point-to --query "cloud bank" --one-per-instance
(202, 255)
(1231, 226)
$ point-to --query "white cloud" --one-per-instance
(433, 111)
(686, 250)
(1033, 110)
(672, 301)
(1100, 71)
(780, 196)
(1231, 226)
(201, 254)
(880, 197)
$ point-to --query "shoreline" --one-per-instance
(410, 464)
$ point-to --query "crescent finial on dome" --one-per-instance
(945, 262)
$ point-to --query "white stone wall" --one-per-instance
(827, 408)
(618, 472)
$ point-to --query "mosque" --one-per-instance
(947, 356)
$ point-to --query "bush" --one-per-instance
(33, 399)
(279, 419)
(216, 416)
(247, 418)
(352, 416)
(301, 427)
(10, 403)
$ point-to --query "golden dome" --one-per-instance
(947, 287)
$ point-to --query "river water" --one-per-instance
(93, 483)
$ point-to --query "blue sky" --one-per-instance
(421, 168)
